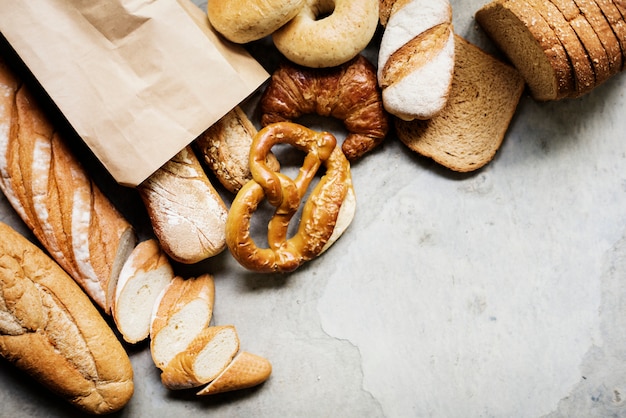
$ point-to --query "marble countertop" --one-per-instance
(499, 293)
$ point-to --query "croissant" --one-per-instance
(348, 92)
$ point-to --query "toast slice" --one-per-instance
(532, 46)
(468, 132)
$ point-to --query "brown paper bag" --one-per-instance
(137, 79)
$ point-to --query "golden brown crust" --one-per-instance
(319, 213)
(55, 197)
(52, 331)
(225, 148)
(187, 214)
(348, 92)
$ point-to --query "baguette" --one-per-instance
(416, 58)
(56, 198)
(466, 135)
(187, 213)
(50, 329)
(142, 279)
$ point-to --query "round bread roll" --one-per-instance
(328, 33)
(246, 21)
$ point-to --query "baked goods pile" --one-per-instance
(442, 96)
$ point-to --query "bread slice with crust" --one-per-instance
(203, 360)
(182, 311)
(468, 132)
(600, 25)
(142, 279)
(532, 46)
(245, 371)
(617, 23)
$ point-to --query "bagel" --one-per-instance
(328, 33)
(246, 21)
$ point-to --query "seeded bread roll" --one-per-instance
(50, 329)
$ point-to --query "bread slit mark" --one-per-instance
(415, 54)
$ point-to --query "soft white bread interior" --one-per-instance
(142, 279)
(188, 215)
(245, 371)
(182, 311)
(55, 196)
(468, 132)
(203, 360)
(50, 329)
(416, 58)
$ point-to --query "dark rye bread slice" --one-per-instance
(469, 130)
(592, 12)
(617, 23)
(584, 74)
(531, 45)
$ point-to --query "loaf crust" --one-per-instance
(188, 215)
(50, 329)
(56, 198)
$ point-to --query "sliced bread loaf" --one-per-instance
(531, 45)
(468, 132)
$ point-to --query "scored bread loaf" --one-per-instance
(188, 215)
(468, 132)
(180, 313)
(416, 58)
(50, 329)
(56, 198)
(225, 147)
(142, 279)
(245, 371)
(203, 360)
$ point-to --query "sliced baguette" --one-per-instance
(182, 311)
(203, 360)
(245, 371)
(532, 46)
(469, 131)
(142, 279)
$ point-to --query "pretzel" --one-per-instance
(319, 213)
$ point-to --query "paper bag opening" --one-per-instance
(138, 80)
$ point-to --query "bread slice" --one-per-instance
(617, 23)
(182, 311)
(600, 25)
(245, 371)
(467, 133)
(203, 360)
(583, 68)
(142, 279)
(532, 46)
